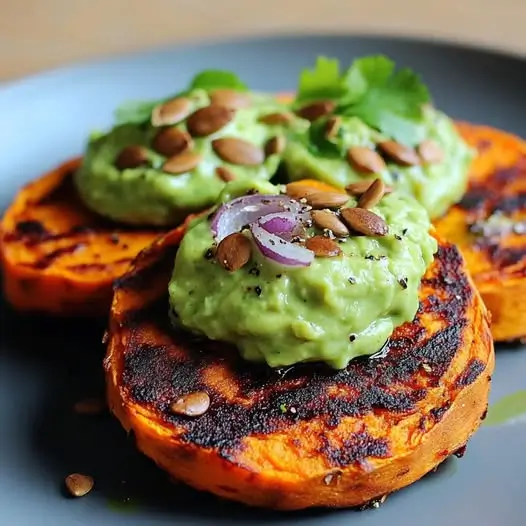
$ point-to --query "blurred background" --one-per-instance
(39, 34)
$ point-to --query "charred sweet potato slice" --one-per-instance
(489, 226)
(306, 436)
(58, 257)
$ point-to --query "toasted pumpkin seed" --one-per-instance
(238, 151)
(233, 252)
(78, 484)
(171, 112)
(326, 219)
(182, 162)
(373, 195)
(171, 141)
(430, 152)
(326, 199)
(399, 153)
(323, 247)
(317, 109)
(276, 118)
(275, 145)
(365, 160)
(298, 191)
(230, 98)
(225, 174)
(360, 187)
(131, 157)
(364, 221)
(209, 119)
(192, 404)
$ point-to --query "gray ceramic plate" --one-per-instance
(45, 365)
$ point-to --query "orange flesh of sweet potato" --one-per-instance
(57, 256)
(306, 436)
(496, 261)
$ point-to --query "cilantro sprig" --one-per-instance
(372, 89)
(139, 111)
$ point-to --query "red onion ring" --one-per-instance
(279, 223)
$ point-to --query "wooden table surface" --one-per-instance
(39, 34)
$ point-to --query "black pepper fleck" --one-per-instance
(254, 271)
(279, 275)
(257, 290)
(352, 337)
(114, 239)
(351, 280)
(404, 231)
(397, 237)
(403, 283)
(209, 254)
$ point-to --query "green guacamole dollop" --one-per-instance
(332, 311)
(147, 195)
(435, 186)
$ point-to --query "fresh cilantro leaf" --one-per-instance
(215, 78)
(388, 100)
(324, 81)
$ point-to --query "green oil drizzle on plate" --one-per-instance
(506, 409)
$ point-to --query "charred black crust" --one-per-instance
(472, 371)
(155, 375)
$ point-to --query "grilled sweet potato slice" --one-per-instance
(306, 436)
(495, 250)
(58, 257)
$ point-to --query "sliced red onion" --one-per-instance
(232, 216)
(278, 250)
(279, 223)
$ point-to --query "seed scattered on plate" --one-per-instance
(365, 160)
(276, 118)
(182, 162)
(364, 221)
(360, 187)
(225, 174)
(317, 109)
(192, 404)
(209, 119)
(323, 247)
(131, 157)
(275, 145)
(373, 195)
(399, 153)
(171, 112)
(334, 124)
(238, 151)
(79, 485)
(233, 252)
(430, 152)
(230, 98)
(326, 219)
(90, 406)
(171, 141)
(326, 199)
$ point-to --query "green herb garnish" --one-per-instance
(283, 408)
(139, 111)
(371, 89)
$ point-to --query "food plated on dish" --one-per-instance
(300, 325)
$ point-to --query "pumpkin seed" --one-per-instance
(237, 151)
(399, 153)
(209, 119)
(131, 157)
(225, 174)
(275, 145)
(276, 119)
(364, 221)
(326, 199)
(325, 219)
(323, 247)
(234, 251)
(430, 152)
(298, 191)
(373, 195)
(182, 162)
(171, 141)
(79, 485)
(192, 404)
(365, 160)
(230, 98)
(317, 109)
(360, 187)
(171, 112)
